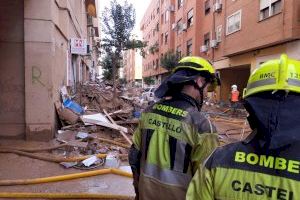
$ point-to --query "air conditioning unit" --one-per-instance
(171, 8)
(218, 7)
(183, 26)
(213, 43)
(203, 48)
(174, 26)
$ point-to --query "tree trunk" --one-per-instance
(114, 74)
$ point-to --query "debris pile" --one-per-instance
(232, 124)
(96, 97)
(93, 123)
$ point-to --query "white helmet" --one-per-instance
(234, 87)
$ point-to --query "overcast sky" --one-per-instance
(140, 8)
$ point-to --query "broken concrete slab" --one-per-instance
(89, 161)
(101, 120)
(82, 135)
(98, 117)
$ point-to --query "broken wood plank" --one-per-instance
(77, 143)
(94, 136)
(134, 121)
(122, 133)
(115, 112)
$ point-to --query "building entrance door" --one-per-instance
(233, 76)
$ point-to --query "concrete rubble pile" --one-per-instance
(97, 97)
(93, 124)
(232, 124)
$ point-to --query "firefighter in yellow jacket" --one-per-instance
(173, 137)
(266, 165)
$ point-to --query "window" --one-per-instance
(162, 38)
(179, 26)
(206, 39)
(269, 8)
(207, 7)
(157, 63)
(166, 37)
(162, 18)
(179, 3)
(178, 51)
(219, 33)
(189, 45)
(190, 18)
(157, 10)
(167, 16)
(154, 66)
(234, 22)
(157, 27)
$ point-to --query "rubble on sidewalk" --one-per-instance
(101, 124)
(100, 96)
(232, 125)
(97, 122)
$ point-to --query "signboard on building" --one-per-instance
(78, 46)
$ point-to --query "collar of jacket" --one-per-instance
(187, 98)
(276, 118)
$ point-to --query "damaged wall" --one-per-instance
(12, 113)
(49, 25)
(39, 56)
(34, 62)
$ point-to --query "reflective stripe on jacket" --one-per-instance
(174, 138)
(245, 172)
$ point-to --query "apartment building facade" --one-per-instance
(155, 29)
(235, 35)
(43, 47)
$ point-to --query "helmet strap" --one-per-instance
(201, 92)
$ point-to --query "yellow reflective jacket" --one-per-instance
(173, 138)
(243, 171)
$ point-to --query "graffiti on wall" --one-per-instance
(36, 75)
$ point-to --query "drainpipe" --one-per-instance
(213, 32)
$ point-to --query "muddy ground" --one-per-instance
(12, 166)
